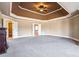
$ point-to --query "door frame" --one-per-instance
(39, 28)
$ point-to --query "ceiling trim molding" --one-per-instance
(38, 12)
(27, 18)
(10, 6)
(64, 7)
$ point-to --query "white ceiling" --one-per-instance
(5, 7)
(69, 6)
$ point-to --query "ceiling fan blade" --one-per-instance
(45, 11)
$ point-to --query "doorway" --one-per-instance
(10, 29)
(36, 29)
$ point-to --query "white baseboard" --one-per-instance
(51, 35)
(67, 37)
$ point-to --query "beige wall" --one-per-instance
(55, 27)
(15, 25)
(74, 27)
(25, 29)
(65, 27)
(68, 27)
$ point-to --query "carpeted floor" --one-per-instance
(42, 46)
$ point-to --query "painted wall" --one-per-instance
(65, 27)
(15, 25)
(68, 27)
(74, 27)
(24, 28)
(55, 27)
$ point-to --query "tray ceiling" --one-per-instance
(29, 9)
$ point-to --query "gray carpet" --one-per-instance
(42, 46)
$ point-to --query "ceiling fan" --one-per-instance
(42, 8)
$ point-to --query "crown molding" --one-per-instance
(38, 12)
(21, 17)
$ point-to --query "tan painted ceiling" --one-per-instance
(22, 9)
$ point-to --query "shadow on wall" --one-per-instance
(70, 26)
(74, 26)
